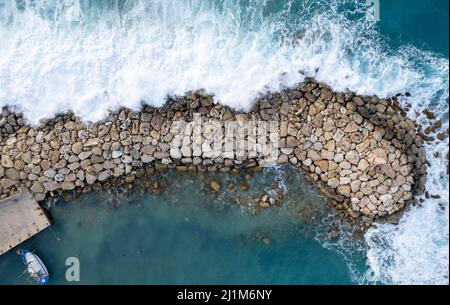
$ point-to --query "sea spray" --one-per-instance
(132, 51)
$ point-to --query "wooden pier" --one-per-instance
(21, 217)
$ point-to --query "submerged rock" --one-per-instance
(214, 185)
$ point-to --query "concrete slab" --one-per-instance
(21, 217)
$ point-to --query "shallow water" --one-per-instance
(187, 235)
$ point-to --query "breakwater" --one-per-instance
(362, 152)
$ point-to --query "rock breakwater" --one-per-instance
(362, 152)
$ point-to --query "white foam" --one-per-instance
(63, 55)
(155, 48)
(417, 250)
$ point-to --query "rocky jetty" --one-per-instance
(362, 152)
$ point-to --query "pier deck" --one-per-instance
(21, 217)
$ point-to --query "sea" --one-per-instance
(94, 56)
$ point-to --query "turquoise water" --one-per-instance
(187, 235)
(424, 24)
(115, 53)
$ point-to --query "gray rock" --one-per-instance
(327, 155)
(355, 185)
(116, 154)
(160, 155)
(125, 159)
(333, 182)
(345, 165)
(12, 174)
(90, 178)
(50, 173)
(37, 187)
(84, 155)
(338, 135)
(338, 158)
(7, 183)
(186, 151)
(104, 175)
(51, 186)
(148, 149)
(146, 117)
(59, 177)
(175, 153)
(313, 155)
(147, 158)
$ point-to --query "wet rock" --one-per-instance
(244, 186)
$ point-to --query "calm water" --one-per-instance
(189, 235)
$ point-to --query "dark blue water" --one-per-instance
(424, 24)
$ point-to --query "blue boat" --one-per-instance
(34, 266)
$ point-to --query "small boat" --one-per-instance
(35, 267)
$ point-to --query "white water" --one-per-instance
(61, 55)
